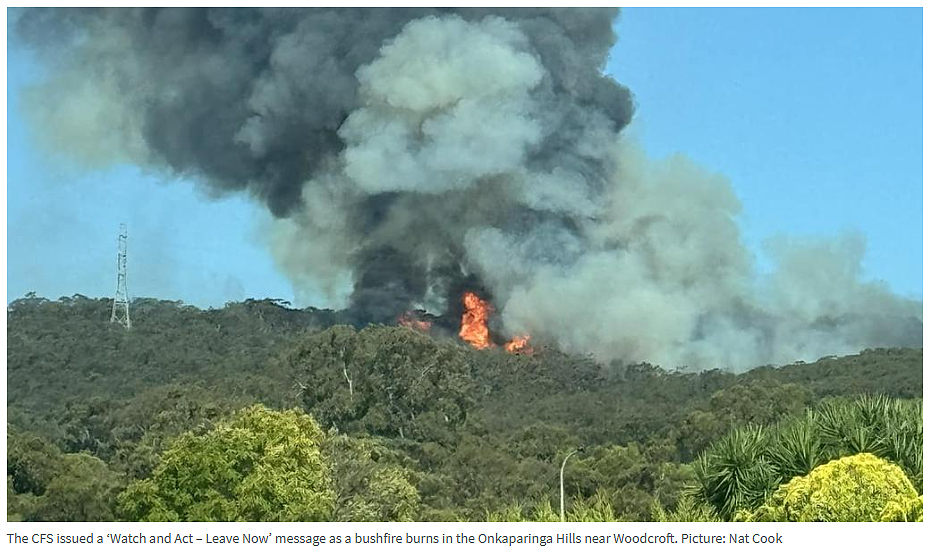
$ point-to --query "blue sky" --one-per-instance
(814, 115)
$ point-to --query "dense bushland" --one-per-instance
(102, 422)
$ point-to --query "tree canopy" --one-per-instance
(197, 415)
(262, 465)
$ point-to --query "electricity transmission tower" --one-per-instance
(121, 300)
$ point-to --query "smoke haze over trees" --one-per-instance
(412, 154)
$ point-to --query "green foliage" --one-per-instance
(262, 465)
(31, 462)
(538, 512)
(796, 448)
(739, 471)
(512, 513)
(597, 509)
(60, 353)
(131, 435)
(448, 432)
(733, 474)
(370, 480)
(760, 402)
(628, 479)
(140, 430)
(910, 510)
(470, 476)
(389, 381)
(17, 504)
(688, 509)
(696, 432)
(850, 489)
(873, 371)
(45, 485)
(887, 427)
(83, 489)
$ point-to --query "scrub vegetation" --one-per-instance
(261, 412)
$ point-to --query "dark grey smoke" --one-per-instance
(411, 154)
(254, 98)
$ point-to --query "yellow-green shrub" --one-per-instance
(261, 465)
(910, 510)
(854, 488)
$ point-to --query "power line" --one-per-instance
(121, 299)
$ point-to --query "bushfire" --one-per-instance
(475, 331)
(473, 328)
(412, 321)
(519, 344)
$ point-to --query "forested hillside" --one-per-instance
(406, 425)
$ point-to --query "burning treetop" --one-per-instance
(473, 327)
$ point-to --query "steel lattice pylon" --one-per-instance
(121, 299)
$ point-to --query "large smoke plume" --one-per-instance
(413, 154)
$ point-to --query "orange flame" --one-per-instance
(519, 344)
(410, 320)
(473, 327)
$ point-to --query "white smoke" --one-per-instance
(666, 278)
(656, 269)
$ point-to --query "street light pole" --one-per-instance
(562, 465)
